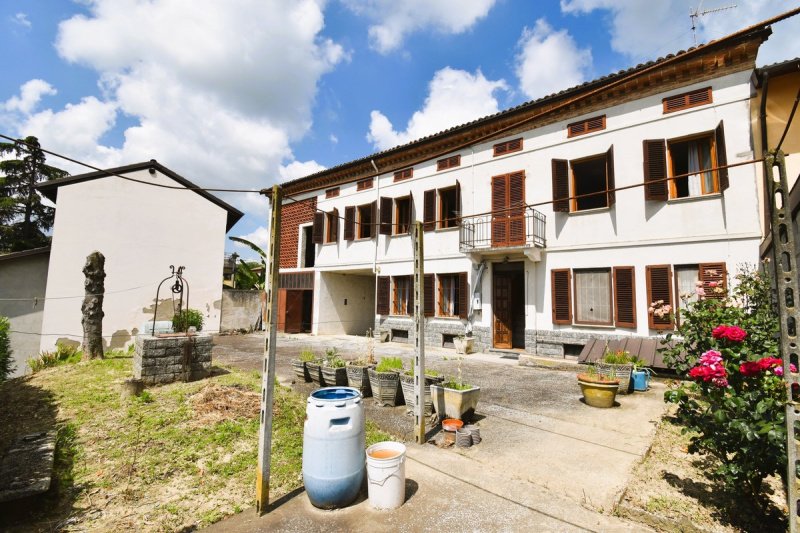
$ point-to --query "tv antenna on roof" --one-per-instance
(695, 14)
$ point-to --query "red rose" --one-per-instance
(750, 368)
(719, 332)
(735, 334)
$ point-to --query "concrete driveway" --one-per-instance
(547, 461)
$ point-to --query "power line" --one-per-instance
(128, 178)
(42, 298)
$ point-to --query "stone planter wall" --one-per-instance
(159, 360)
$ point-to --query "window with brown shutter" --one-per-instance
(448, 208)
(383, 297)
(429, 290)
(403, 174)
(448, 162)
(592, 180)
(682, 101)
(714, 277)
(402, 300)
(318, 228)
(508, 209)
(365, 215)
(332, 226)
(659, 288)
(588, 125)
(332, 193)
(385, 211)
(349, 223)
(364, 184)
(560, 185)
(402, 216)
(561, 295)
(610, 182)
(429, 210)
(655, 170)
(692, 163)
(625, 297)
(506, 147)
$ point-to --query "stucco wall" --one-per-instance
(240, 309)
(23, 277)
(141, 230)
(334, 316)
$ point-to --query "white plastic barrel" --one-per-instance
(386, 475)
(333, 446)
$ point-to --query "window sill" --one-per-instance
(698, 198)
(444, 230)
(593, 326)
(363, 239)
(449, 318)
(589, 211)
(399, 316)
(407, 234)
(329, 243)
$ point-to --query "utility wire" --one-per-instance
(42, 298)
(128, 178)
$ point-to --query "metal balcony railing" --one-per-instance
(506, 230)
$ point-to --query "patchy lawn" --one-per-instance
(670, 491)
(181, 455)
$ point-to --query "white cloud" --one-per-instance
(454, 97)
(30, 94)
(217, 93)
(646, 30)
(334, 139)
(394, 20)
(258, 237)
(21, 19)
(549, 60)
(299, 169)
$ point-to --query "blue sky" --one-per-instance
(247, 93)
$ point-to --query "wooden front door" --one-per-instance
(501, 308)
(294, 311)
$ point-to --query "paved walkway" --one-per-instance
(547, 461)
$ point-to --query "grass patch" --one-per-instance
(180, 456)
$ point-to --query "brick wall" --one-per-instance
(292, 215)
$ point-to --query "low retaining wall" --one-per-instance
(159, 360)
(240, 310)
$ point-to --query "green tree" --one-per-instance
(247, 277)
(24, 220)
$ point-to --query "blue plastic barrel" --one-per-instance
(333, 446)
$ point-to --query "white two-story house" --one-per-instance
(546, 225)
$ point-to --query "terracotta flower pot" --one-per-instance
(598, 391)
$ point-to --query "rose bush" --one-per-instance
(734, 402)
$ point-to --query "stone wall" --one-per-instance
(159, 360)
(434, 328)
(239, 310)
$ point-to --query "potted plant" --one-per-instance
(334, 372)
(407, 384)
(455, 399)
(385, 381)
(464, 343)
(299, 364)
(598, 390)
(314, 368)
(357, 375)
(384, 335)
(620, 364)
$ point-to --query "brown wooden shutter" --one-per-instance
(659, 287)
(516, 203)
(386, 216)
(429, 210)
(374, 224)
(625, 297)
(499, 211)
(458, 203)
(335, 225)
(610, 183)
(349, 223)
(560, 185)
(382, 298)
(716, 273)
(561, 295)
(430, 294)
(318, 228)
(655, 170)
(722, 157)
(463, 295)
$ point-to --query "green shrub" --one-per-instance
(335, 362)
(63, 354)
(734, 403)
(6, 363)
(307, 355)
(187, 318)
(389, 364)
(455, 384)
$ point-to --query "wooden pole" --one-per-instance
(268, 368)
(419, 336)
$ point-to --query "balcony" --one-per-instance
(504, 232)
